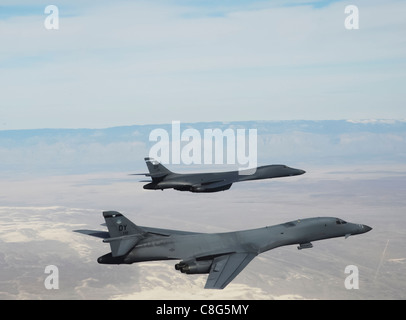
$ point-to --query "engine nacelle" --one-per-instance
(211, 188)
(150, 186)
(194, 267)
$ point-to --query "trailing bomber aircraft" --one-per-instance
(162, 178)
(222, 255)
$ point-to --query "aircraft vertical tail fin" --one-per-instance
(156, 169)
(124, 234)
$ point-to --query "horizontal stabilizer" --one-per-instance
(94, 233)
(167, 232)
(139, 174)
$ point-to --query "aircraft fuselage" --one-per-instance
(218, 181)
(158, 247)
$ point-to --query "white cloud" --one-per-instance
(138, 62)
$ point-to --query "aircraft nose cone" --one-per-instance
(367, 228)
(296, 172)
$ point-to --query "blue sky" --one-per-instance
(146, 62)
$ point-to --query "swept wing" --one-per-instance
(226, 267)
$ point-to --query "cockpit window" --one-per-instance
(339, 221)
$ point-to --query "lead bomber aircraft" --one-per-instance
(163, 178)
(222, 255)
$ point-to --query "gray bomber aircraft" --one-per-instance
(222, 255)
(162, 178)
